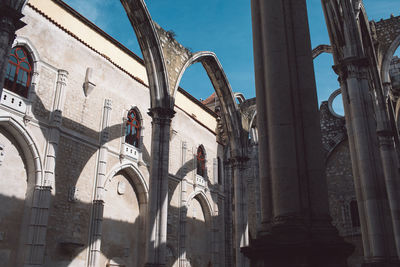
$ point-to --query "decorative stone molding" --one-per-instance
(73, 194)
(59, 99)
(356, 68)
(88, 85)
(161, 115)
(2, 153)
(13, 101)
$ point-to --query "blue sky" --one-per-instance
(223, 27)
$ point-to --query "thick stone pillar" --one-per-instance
(98, 201)
(368, 147)
(241, 221)
(295, 212)
(10, 22)
(158, 190)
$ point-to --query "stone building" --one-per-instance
(106, 161)
(75, 138)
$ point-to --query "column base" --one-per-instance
(272, 250)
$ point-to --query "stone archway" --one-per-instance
(224, 92)
(22, 163)
(123, 227)
(388, 37)
(125, 189)
(199, 230)
(237, 141)
(149, 43)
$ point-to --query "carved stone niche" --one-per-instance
(2, 153)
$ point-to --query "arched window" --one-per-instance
(355, 217)
(201, 161)
(132, 132)
(19, 71)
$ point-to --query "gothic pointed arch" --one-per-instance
(204, 201)
(149, 43)
(125, 191)
(29, 148)
(28, 190)
(19, 71)
(137, 178)
(224, 92)
(387, 58)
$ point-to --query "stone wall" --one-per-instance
(385, 32)
(339, 175)
(394, 73)
(175, 54)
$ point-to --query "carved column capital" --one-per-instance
(161, 115)
(62, 77)
(43, 187)
(353, 67)
(10, 19)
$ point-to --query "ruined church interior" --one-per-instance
(105, 160)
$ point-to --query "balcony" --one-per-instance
(131, 152)
(13, 101)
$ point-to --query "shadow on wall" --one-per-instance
(68, 248)
(68, 228)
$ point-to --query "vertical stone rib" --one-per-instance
(98, 202)
(263, 157)
(183, 213)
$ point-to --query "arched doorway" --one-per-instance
(123, 232)
(198, 233)
(20, 172)
(13, 190)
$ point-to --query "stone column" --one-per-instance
(10, 22)
(98, 201)
(241, 220)
(229, 234)
(158, 190)
(34, 253)
(389, 157)
(365, 141)
(296, 223)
